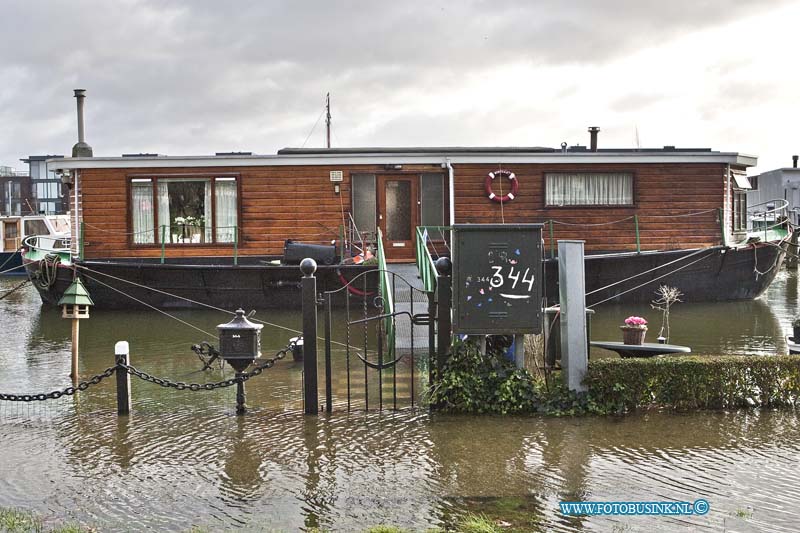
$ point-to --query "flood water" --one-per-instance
(183, 458)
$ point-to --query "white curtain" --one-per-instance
(207, 231)
(586, 188)
(226, 219)
(163, 211)
(142, 199)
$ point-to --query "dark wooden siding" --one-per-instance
(299, 202)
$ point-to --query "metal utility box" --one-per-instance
(497, 278)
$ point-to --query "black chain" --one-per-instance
(69, 391)
(83, 385)
(179, 385)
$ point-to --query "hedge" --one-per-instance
(474, 383)
(694, 382)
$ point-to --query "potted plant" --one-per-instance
(634, 330)
(796, 329)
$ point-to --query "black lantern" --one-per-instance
(239, 346)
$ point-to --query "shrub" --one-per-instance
(694, 382)
(471, 382)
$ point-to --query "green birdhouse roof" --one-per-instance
(76, 294)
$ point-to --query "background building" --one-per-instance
(15, 192)
(47, 190)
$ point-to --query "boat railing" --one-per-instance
(764, 216)
(427, 239)
(48, 243)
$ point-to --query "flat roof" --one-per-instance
(417, 155)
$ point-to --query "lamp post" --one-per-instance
(239, 346)
(75, 304)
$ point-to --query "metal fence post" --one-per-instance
(122, 357)
(328, 373)
(309, 301)
(443, 311)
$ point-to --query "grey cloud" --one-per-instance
(194, 77)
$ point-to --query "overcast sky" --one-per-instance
(193, 78)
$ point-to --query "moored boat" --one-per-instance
(15, 229)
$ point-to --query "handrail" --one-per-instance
(770, 218)
(386, 294)
(32, 241)
(425, 264)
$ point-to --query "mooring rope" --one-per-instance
(15, 289)
(711, 252)
(202, 304)
(151, 306)
(647, 271)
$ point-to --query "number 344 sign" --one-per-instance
(497, 278)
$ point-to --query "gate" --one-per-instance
(379, 335)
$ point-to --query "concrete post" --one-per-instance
(519, 351)
(572, 296)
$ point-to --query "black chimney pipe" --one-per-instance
(794, 161)
(593, 131)
(81, 148)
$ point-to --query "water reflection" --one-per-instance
(756, 327)
(184, 458)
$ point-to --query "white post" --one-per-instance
(572, 296)
(519, 351)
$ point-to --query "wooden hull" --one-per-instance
(11, 263)
(195, 284)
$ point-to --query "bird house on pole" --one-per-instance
(76, 301)
(75, 305)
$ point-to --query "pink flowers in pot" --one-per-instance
(635, 321)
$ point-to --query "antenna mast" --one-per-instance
(328, 117)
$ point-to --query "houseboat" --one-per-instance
(211, 229)
(227, 230)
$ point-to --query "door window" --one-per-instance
(398, 210)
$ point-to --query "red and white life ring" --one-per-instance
(487, 184)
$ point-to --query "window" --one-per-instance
(184, 210)
(588, 188)
(36, 227)
(739, 210)
(365, 204)
(47, 190)
(432, 199)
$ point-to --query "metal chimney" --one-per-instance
(593, 131)
(81, 149)
(794, 161)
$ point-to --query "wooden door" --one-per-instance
(10, 236)
(398, 215)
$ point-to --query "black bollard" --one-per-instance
(309, 301)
